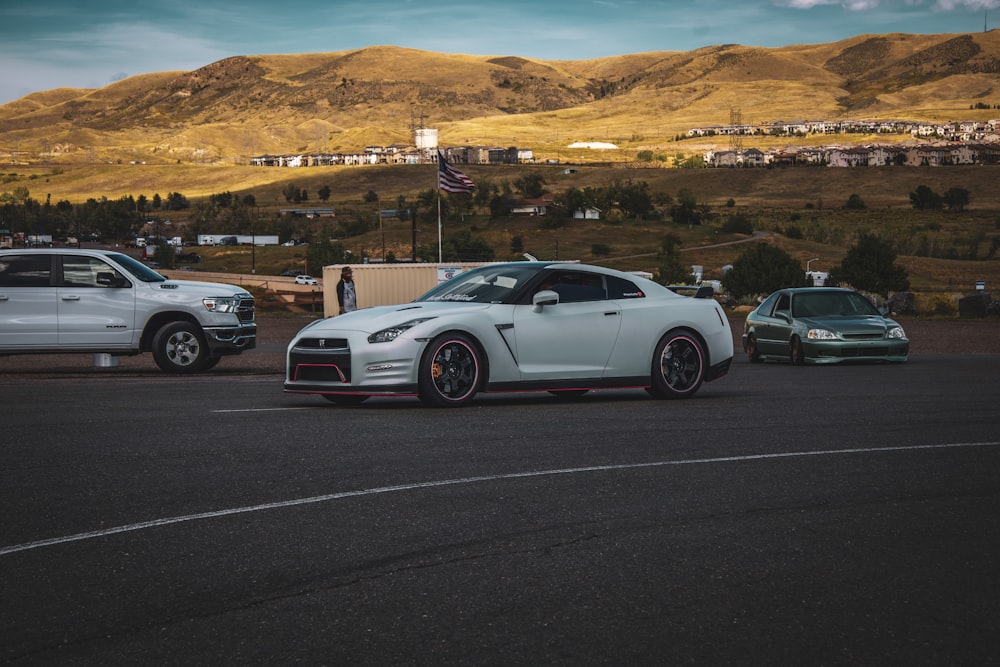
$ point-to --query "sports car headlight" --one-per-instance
(392, 333)
(221, 304)
(895, 332)
(821, 334)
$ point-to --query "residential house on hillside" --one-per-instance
(531, 207)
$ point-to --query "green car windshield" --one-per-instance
(832, 304)
(486, 284)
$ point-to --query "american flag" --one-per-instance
(451, 179)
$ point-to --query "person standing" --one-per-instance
(347, 295)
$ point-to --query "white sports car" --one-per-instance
(520, 326)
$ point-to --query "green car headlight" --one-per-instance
(895, 332)
(821, 334)
(392, 333)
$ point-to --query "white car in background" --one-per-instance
(520, 326)
(303, 279)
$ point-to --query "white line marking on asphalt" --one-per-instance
(311, 407)
(466, 480)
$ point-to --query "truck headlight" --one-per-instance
(221, 304)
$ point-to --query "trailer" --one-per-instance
(237, 239)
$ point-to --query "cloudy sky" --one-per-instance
(47, 44)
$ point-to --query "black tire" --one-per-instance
(678, 367)
(753, 353)
(179, 347)
(450, 371)
(797, 355)
(345, 399)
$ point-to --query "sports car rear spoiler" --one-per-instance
(696, 291)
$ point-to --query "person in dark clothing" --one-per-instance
(347, 295)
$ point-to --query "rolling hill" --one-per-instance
(244, 105)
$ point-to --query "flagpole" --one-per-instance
(437, 188)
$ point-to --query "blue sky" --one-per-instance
(47, 44)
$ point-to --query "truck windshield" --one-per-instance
(137, 268)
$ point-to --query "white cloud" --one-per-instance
(949, 5)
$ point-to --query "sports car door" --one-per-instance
(571, 339)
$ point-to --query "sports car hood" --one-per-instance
(370, 320)
(866, 324)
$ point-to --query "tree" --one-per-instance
(763, 269)
(324, 193)
(738, 223)
(956, 199)
(632, 198)
(670, 269)
(925, 199)
(855, 203)
(532, 186)
(464, 246)
(870, 266)
(291, 193)
(686, 211)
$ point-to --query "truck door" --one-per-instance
(96, 305)
(27, 301)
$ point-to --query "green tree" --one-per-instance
(870, 266)
(763, 269)
(686, 210)
(670, 269)
(738, 223)
(956, 199)
(531, 186)
(925, 199)
(324, 193)
(463, 245)
(291, 193)
(855, 203)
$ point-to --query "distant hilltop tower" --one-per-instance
(736, 130)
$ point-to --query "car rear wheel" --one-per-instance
(753, 353)
(178, 347)
(450, 371)
(797, 354)
(678, 365)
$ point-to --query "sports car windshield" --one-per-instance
(826, 304)
(486, 284)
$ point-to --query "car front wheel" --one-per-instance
(450, 371)
(178, 347)
(797, 354)
(678, 365)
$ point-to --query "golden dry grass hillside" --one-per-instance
(344, 101)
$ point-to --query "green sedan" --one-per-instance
(822, 325)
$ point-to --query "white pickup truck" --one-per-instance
(79, 300)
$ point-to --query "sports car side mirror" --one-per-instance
(545, 297)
